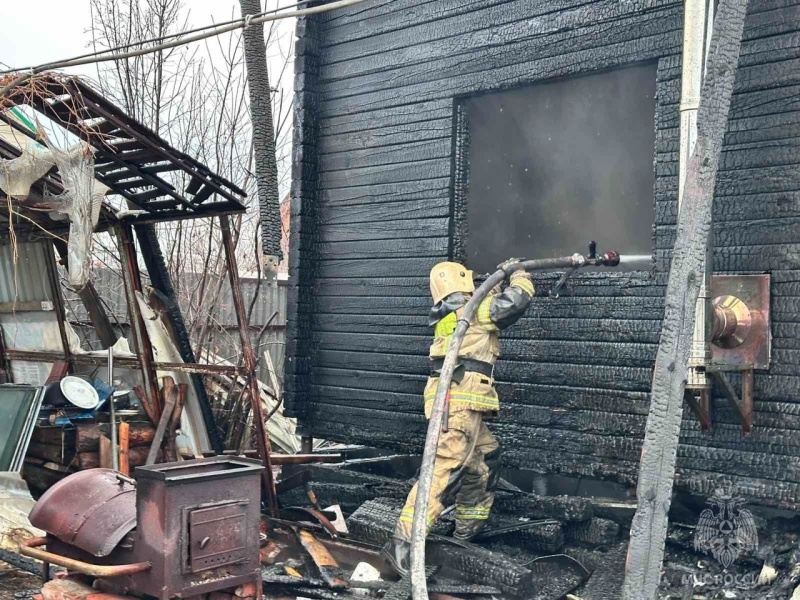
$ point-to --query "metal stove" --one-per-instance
(180, 530)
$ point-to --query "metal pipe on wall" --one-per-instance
(697, 23)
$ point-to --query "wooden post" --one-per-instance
(249, 359)
(660, 448)
(5, 364)
(105, 452)
(124, 442)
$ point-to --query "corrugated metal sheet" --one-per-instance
(225, 343)
(270, 300)
(23, 278)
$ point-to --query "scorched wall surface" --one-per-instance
(376, 204)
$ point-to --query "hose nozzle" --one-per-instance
(610, 259)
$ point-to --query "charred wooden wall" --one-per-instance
(376, 203)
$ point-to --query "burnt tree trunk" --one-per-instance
(266, 167)
(657, 467)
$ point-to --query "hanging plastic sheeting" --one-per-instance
(18, 174)
(81, 201)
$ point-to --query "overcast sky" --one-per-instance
(48, 30)
(43, 31)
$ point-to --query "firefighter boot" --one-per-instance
(466, 530)
(398, 554)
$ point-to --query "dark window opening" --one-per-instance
(555, 165)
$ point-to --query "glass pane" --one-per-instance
(555, 165)
(15, 406)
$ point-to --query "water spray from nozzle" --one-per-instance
(629, 259)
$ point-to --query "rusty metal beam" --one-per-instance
(122, 142)
(742, 406)
(700, 408)
(132, 283)
(164, 187)
(128, 362)
(747, 401)
(160, 217)
(200, 368)
(79, 359)
(249, 360)
(33, 548)
(159, 150)
(58, 299)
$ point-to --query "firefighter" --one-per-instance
(467, 457)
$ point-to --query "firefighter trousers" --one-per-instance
(461, 459)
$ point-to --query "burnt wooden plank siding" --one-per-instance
(376, 203)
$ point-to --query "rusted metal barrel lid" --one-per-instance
(92, 510)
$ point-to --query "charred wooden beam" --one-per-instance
(567, 508)
(304, 459)
(328, 567)
(546, 537)
(266, 168)
(659, 452)
(594, 532)
(374, 522)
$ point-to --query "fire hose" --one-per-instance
(419, 529)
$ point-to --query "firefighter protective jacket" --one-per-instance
(499, 310)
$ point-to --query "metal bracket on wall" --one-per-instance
(701, 407)
(741, 341)
(743, 406)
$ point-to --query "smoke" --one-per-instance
(555, 165)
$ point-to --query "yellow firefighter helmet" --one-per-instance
(449, 277)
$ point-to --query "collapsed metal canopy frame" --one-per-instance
(130, 158)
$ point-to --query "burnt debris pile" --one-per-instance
(532, 547)
(539, 546)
